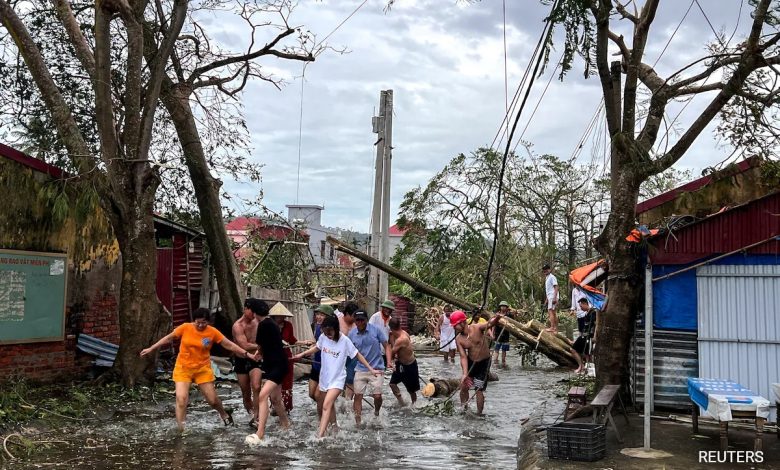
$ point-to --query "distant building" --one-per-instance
(395, 235)
(309, 219)
(241, 229)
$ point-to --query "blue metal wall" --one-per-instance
(675, 303)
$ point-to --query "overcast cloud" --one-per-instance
(444, 60)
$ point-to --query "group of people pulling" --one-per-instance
(350, 354)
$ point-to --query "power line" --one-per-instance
(300, 137)
(342, 23)
(539, 57)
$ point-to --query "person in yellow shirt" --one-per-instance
(193, 364)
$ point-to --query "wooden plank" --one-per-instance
(605, 395)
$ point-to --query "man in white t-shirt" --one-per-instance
(381, 319)
(551, 297)
(576, 295)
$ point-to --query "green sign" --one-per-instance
(32, 296)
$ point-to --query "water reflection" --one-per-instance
(398, 438)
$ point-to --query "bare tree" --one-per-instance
(721, 75)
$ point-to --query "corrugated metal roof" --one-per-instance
(724, 232)
(739, 329)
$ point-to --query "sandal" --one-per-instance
(229, 420)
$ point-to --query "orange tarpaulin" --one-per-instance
(636, 235)
(584, 275)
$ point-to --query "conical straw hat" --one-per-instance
(279, 310)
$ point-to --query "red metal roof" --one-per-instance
(694, 185)
(726, 231)
(394, 231)
(34, 163)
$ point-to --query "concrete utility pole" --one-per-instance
(378, 123)
(384, 247)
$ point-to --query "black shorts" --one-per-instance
(314, 375)
(582, 345)
(275, 370)
(478, 372)
(243, 366)
(408, 374)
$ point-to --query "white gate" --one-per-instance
(739, 325)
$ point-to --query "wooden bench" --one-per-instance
(602, 407)
(577, 396)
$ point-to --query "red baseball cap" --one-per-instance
(456, 317)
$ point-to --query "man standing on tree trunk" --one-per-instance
(551, 297)
(474, 350)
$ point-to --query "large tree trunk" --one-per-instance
(142, 318)
(176, 101)
(623, 285)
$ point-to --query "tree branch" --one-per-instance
(179, 12)
(71, 25)
(641, 31)
(601, 14)
(63, 119)
(625, 13)
(750, 59)
(265, 50)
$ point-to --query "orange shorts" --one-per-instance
(199, 376)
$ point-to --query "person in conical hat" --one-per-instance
(281, 315)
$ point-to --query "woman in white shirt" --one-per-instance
(335, 348)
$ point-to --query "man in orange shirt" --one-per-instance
(193, 364)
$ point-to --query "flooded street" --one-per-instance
(399, 438)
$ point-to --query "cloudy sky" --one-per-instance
(444, 60)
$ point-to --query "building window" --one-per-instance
(322, 249)
(331, 252)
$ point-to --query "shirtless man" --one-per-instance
(474, 351)
(406, 371)
(248, 371)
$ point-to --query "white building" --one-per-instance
(309, 218)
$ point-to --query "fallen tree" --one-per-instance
(554, 346)
(445, 387)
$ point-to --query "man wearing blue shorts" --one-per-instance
(501, 335)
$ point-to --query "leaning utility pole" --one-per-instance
(384, 247)
(380, 214)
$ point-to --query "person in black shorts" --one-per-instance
(587, 337)
(406, 370)
(269, 340)
(479, 373)
(248, 371)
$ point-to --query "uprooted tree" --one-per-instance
(726, 76)
(105, 113)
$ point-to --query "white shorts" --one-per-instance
(367, 383)
(447, 343)
(550, 305)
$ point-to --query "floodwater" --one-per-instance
(145, 437)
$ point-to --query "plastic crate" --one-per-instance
(577, 441)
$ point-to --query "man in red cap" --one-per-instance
(474, 351)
